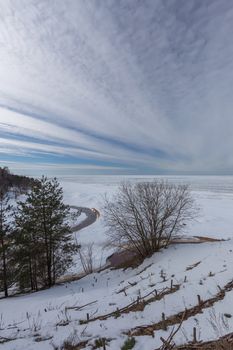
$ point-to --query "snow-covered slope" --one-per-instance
(169, 282)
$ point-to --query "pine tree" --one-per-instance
(44, 238)
(6, 273)
(27, 255)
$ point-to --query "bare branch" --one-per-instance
(144, 217)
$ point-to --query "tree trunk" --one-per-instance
(47, 248)
(4, 270)
(30, 273)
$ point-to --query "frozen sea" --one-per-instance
(223, 184)
(213, 196)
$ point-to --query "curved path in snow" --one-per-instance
(91, 217)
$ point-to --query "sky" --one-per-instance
(116, 86)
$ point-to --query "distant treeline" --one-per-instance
(10, 181)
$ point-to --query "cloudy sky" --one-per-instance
(116, 86)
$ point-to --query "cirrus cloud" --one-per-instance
(132, 86)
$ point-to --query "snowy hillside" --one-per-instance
(144, 303)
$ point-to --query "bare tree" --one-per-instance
(86, 258)
(144, 217)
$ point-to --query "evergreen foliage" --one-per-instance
(6, 248)
(19, 183)
(128, 344)
(43, 236)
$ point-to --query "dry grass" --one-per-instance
(176, 319)
(137, 305)
(223, 343)
(194, 240)
(209, 239)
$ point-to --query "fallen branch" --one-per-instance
(168, 343)
(77, 308)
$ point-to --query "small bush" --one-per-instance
(128, 344)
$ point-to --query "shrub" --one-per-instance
(144, 217)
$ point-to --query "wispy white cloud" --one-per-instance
(146, 84)
(71, 143)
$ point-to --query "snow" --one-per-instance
(50, 316)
